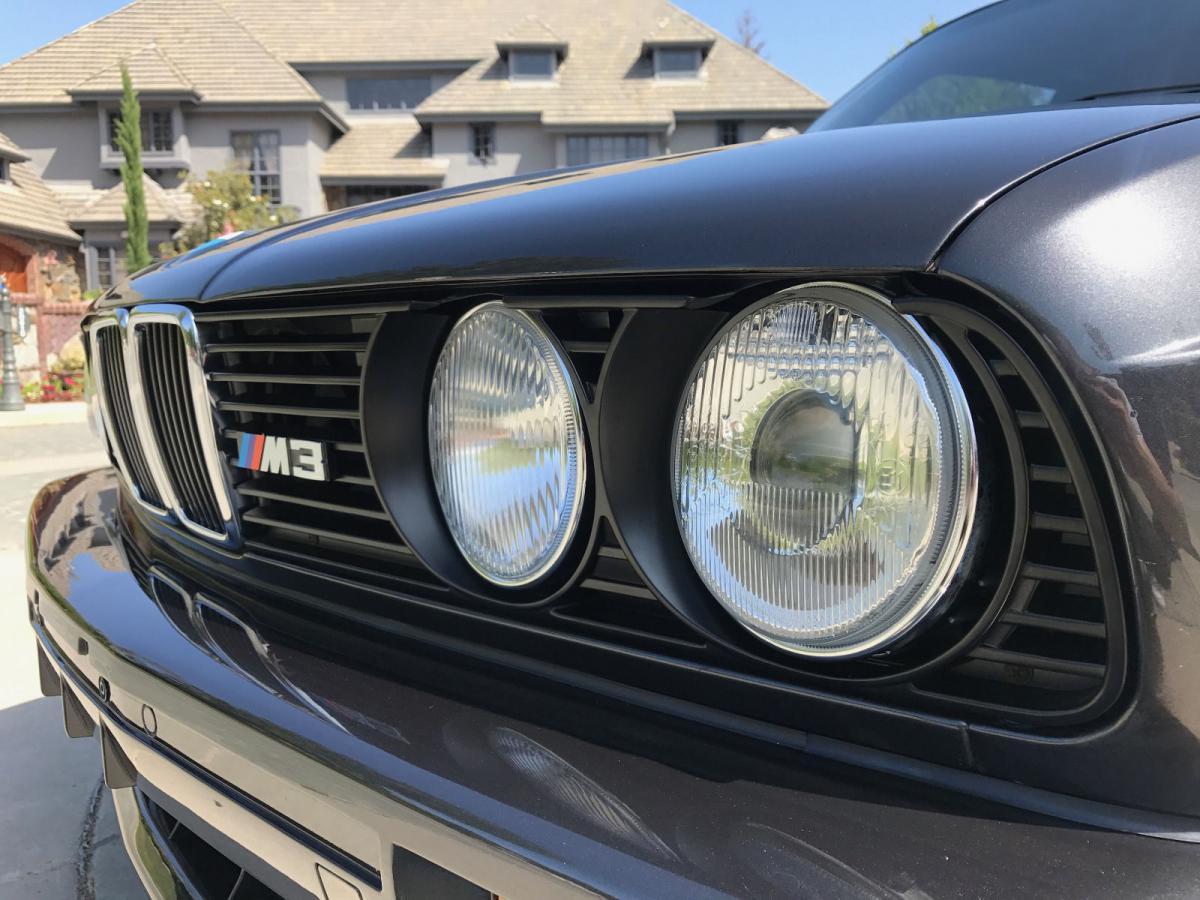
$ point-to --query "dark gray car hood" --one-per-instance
(873, 198)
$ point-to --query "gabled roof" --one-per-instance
(531, 32)
(108, 206)
(11, 151)
(607, 82)
(192, 42)
(382, 151)
(676, 28)
(27, 206)
(150, 70)
(603, 80)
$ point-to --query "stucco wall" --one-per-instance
(303, 140)
(64, 146)
(332, 88)
(698, 135)
(520, 148)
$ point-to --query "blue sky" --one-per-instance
(829, 45)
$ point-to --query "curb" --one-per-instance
(35, 414)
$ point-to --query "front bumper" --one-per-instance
(328, 777)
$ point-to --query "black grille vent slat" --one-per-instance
(173, 417)
(1047, 648)
(316, 397)
(116, 398)
(1053, 646)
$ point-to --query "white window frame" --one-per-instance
(257, 175)
(112, 255)
(697, 57)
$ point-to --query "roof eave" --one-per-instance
(186, 95)
(12, 154)
(455, 116)
(798, 112)
(348, 179)
(52, 234)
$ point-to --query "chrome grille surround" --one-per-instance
(168, 457)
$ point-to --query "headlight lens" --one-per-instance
(824, 465)
(506, 445)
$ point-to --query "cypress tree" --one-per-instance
(129, 141)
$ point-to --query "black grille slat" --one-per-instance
(116, 398)
(1053, 646)
(315, 397)
(1047, 646)
(173, 417)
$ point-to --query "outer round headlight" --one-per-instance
(824, 471)
(506, 445)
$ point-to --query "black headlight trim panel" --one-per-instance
(607, 595)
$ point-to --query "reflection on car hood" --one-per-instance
(880, 197)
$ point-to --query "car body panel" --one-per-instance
(1100, 260)
(487, 784)
(875, 198)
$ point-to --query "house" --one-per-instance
(329, 103)
(38, 259)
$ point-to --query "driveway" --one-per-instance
(58, 835)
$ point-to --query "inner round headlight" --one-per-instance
(825, 471)
(506, 445)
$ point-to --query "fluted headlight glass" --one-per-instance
(506, 445)
(824, 466)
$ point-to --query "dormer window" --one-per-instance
(677, 62)
(534, 64)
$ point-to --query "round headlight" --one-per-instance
(506, 445)
(824, 471)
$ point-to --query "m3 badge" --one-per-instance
(277, 455)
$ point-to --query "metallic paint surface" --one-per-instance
(1100, 257)
(883, 197)
(571, 795)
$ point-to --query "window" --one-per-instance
(676, 62)
(108, 266)
(483, 141)
(258, 153)
(369, 193)
(158, 131)
(532, 63)
(729, 132)
(388, 93)
(584, 149)
(5, 174)
(423, 143)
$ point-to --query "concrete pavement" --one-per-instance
(58, 834)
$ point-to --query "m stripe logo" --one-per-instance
(282, 456)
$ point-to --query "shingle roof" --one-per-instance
(606, 79)
(530, 32)
(151, 70)
(603, 80)
(676, 27)
(197, 40)
(27, 206)
(380, 151)
(108, 206)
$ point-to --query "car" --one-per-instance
(815, 517)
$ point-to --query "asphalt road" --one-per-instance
(58, 834)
